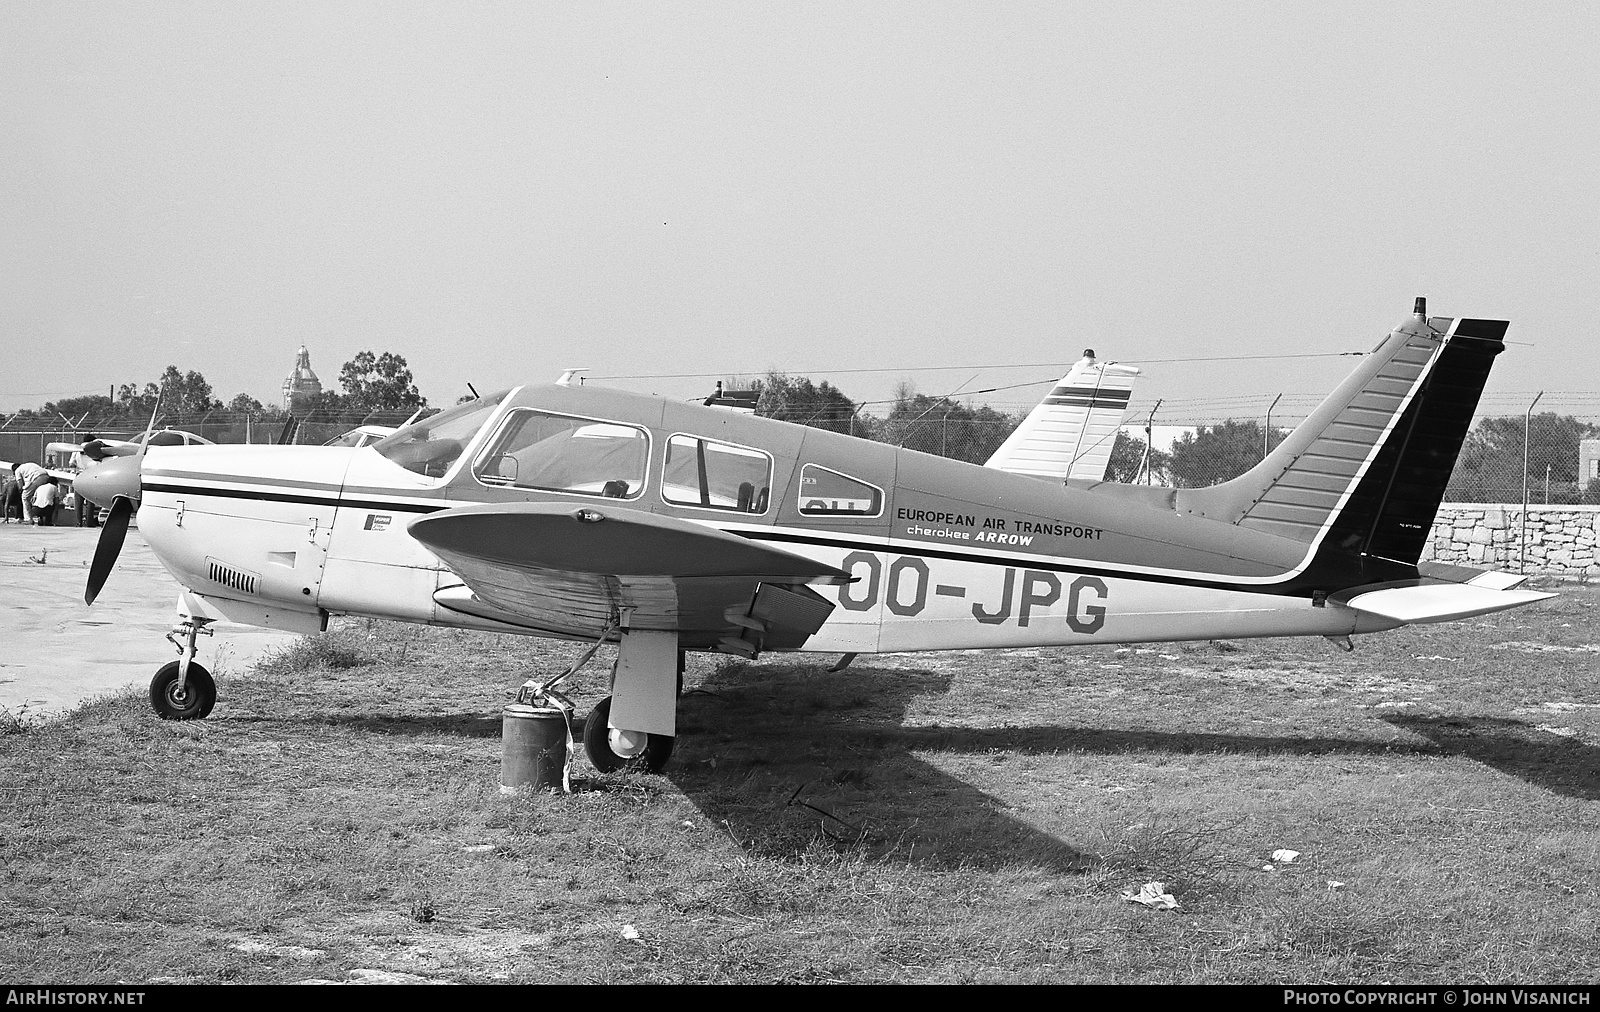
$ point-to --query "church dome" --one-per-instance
(302, 384)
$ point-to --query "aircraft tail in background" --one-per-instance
(1071, 432)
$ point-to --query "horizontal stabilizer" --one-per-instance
(1493, 579)
(1441, 602)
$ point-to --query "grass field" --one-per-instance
(916, 818)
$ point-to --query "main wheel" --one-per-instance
(193, 702)
(610, 750)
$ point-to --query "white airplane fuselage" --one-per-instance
(285, 536)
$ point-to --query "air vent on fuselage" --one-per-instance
(231, 577)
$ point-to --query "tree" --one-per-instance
(379, 383)
(1127, 464)
(245, 404)
(178, 393)
(797, 399)
(94, 405)
(946, 427)
(1213, 454)
(186, 393)
(1490, 466)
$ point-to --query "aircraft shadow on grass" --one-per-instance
(1559, 764)
(771, 755)
(786, 756)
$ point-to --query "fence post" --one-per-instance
(1266, 433)
(1149, 445)
(1527, 424)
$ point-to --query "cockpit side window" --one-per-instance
(825, 493)
(561, 453)
(719, 476)
(430, 446)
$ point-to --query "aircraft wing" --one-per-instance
(569, 569)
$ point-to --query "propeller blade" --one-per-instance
(108, 547)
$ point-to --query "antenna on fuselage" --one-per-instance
(475, 394)
(570, 376)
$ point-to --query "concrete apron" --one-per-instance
(56, 652)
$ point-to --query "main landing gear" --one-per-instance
(647, 682)
(183, 689)
(611, 748)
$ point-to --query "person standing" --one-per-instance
(88, 512)
(44, 501)
(10, 501)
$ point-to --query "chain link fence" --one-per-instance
(1192, 450)
(217, 426)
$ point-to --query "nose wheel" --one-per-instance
(182, 689)
(190, 699)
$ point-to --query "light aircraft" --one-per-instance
(72, 458)
(591, 514)
(361, 435)
(92, 451)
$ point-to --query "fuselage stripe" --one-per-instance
(313, 500)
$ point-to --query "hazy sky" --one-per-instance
(501, 191)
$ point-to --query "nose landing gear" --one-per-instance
(183, 689)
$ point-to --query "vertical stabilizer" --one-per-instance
(1071, 432)
(1362, 477)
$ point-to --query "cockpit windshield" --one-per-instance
(432, 445)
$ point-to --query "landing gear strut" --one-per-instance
(182, 689)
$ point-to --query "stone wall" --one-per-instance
(1561, 539)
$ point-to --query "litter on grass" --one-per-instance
(1153, 895)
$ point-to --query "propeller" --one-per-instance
(108, 547)
(116, 479)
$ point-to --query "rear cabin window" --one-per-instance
(825, 493)
(718, 476)
(559, 453)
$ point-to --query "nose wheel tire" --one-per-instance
(610, 750)
(193, 702)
